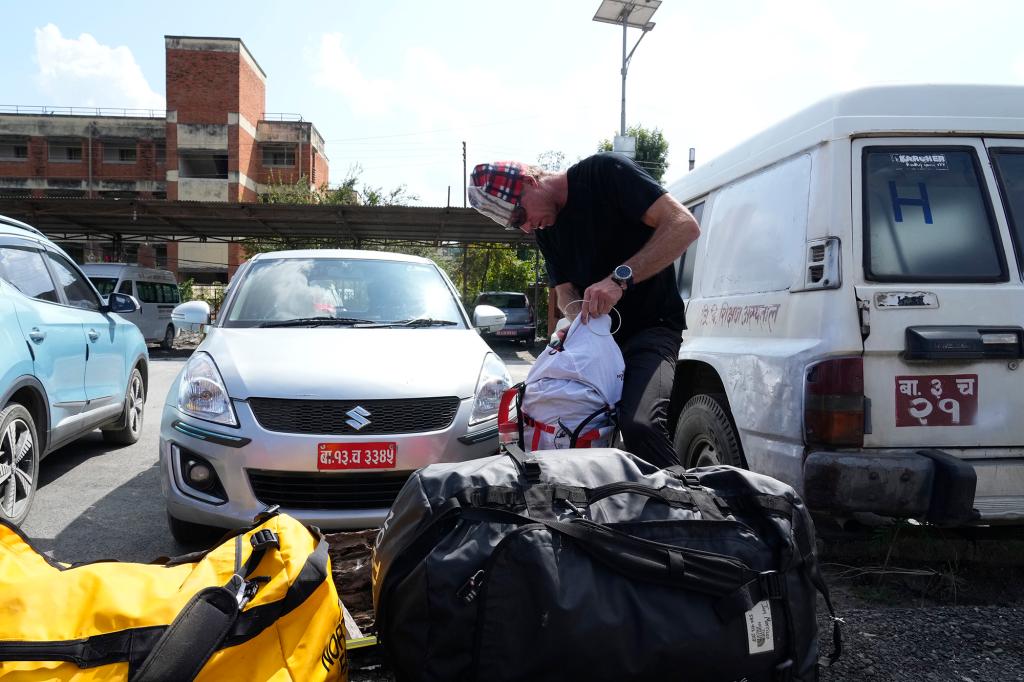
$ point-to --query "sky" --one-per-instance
(396, 86)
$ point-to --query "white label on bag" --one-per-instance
(760, 638)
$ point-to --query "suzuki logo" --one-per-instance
(357, 417)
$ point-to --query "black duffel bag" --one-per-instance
(594, 565)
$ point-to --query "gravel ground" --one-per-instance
(963, 644)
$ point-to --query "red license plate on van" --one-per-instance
(936, 400)
(331, 456)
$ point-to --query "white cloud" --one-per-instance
(82, 72)
(1018, 67)
(336, 72)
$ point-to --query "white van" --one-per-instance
(855, 305)
(156, 291)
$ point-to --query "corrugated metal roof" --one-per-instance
(202, 221)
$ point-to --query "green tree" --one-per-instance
(651, 150)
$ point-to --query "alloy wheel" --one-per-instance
(136, 404)
(17, 458)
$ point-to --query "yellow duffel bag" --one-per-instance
(259, 606)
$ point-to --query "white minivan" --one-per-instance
(156, 291)
(855, 305)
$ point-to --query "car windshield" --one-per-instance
(104, 285)
(502, 300)
(328, 292)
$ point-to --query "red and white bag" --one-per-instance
(569, 396)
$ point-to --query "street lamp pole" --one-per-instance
(628, 13)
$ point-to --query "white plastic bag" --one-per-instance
(567, 386)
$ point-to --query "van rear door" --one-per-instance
(941, 295)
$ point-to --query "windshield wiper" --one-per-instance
(321, 321)
(423, 322)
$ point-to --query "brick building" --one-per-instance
(214, 143)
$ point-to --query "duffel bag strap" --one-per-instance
(191, 639)
(637, 558)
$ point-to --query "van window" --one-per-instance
(757, 230)
(1009, 165)
(685, 264)
(151, 292)
(125, 288)
(926, 218)
(104, 285)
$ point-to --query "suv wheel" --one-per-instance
(131, 418)
(19, 462)
(168, 342)
(192, 534)
(705, 434)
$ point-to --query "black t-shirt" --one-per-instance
(599, 228)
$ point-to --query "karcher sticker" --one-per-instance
(760, 637)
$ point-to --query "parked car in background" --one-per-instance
(69, 363)
(328, 377)
(521, 321)
(156, 291)
(856, 307)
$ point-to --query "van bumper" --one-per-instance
(930, 485)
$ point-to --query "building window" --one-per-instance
(120, 152)
(160, 152)
(13, 151)
(278, 155)
(65, 150)
(200, 164)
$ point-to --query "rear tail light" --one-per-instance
(834, 403)
(508, 416)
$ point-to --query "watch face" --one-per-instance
(623, 272)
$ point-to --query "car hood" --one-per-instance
(329, 363)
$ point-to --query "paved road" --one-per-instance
(98, 501)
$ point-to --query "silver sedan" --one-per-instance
(327, 378)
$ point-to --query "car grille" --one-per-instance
(414, 415)
(323, 490)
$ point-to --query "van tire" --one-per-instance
(16, 422)
(132, 417)
(168, 341)
(705, 433)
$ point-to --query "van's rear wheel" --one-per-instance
(705, 434)
(168, 342)
(19, 462)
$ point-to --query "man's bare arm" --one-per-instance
(565, 294)
(674, 230)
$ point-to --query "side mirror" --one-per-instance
(122, 303)
(488, 319)
(191, 316)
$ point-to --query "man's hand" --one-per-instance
(599, 298)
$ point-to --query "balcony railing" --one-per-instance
(42, 110)
(295, 118)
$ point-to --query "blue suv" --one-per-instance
(68, 364)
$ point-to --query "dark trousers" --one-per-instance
(650, 356)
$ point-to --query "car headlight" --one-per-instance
(494, 379)
(202, 394)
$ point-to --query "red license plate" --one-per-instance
(507, 332)
(936, 400)
(356, 456)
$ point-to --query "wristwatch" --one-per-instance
(623, 276)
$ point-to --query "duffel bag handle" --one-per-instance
(672, 566)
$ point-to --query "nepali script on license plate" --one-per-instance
(936, 400)
(330, 456)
